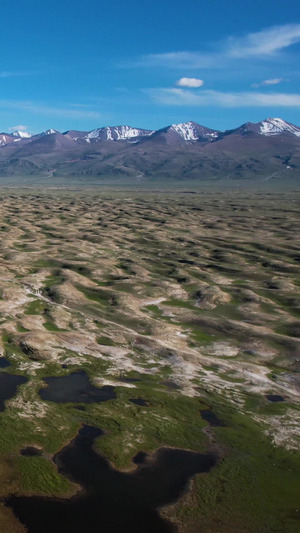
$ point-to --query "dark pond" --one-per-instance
(139, 401)
(113, 501)
(8, 387)
(4, 362)
(140, 458)
(31, 451)
(211, 418)
(75, 388)
(170, 385)
(275, 398)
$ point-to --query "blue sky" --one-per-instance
(70, 64)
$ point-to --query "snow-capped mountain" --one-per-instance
(116, 133)
(275, 126)
(268, 127)
(22, 134)
(174, 134)
(185, 132)
(48, 132)
(191, 131)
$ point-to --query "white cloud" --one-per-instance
(181, 97)
(21, 127)
(273, 81)
(190, 82)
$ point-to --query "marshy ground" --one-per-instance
(179, 304)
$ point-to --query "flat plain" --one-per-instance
(183, 307)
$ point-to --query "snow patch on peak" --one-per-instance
(109, 136)
(186, 130)
(22, 134)
(122, 133)
(93, 134)
(213, 135)
(116, 133)
(126, 132)
(274, 126)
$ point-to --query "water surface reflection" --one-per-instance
(112, 501)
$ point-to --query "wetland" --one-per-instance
(112, 500)
(150, 356)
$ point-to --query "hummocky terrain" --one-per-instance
(268, 150)
(156, 321)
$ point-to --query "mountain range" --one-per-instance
(269, 149)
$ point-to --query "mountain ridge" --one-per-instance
(188, 131)
(269, 149)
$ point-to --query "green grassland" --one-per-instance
(199, 290)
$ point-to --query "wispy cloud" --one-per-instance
(182, 60)
(181, 97)
(273, 81)
(15, 73)
(266, 42)
(260, 45)
(20, 127)
(46, 109)
(80, 106)
(190, 82)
